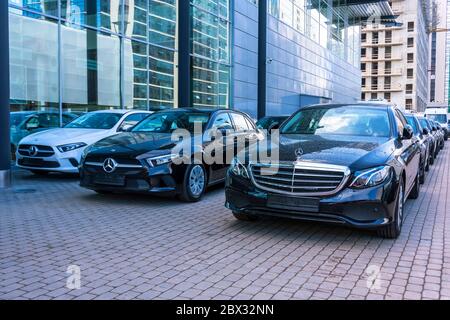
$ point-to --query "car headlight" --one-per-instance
(371, 177)
(71, 146)
(239, 169)
(160, 160)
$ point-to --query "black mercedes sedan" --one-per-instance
(170, 152)
(425, 144)
(348, 164)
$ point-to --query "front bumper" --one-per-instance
(136, 179)
(365, 208)
(59, 162)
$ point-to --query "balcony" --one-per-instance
(386, 88)
(382, 43)
(381, 57)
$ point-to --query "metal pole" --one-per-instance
(5, 144)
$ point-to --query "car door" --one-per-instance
(221, 122)
(410, 151)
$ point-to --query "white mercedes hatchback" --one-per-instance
(60, 149)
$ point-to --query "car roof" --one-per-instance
(197, 109)
(121, 111)
(356, 104)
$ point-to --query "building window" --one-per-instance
(363, 82)
(363, 52)
(388, 36)
(410, 42)
(410, 58)
(374, 53)
(387, 96)
(411, 26)
(374, 37)
(410, 73)
(388, 52)
(363, 37)
(363, 67)
(363, 96)
(408, 104)
(409, 89)
(373, 96)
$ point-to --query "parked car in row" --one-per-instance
(426, 124)
(24, 123)
(348, 164)
(441, 134)
(60, 149)
(142, 160)
(425, 144)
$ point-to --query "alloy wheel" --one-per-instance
(197, 181)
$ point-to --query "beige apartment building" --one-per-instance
(394, 58)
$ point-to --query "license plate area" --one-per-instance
(293, 203)
(109, 180)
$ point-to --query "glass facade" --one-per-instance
(319, 21)
(210, 53)
(75, 56)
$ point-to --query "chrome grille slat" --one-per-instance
(300, 178)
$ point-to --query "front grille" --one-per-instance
(42, 151)
(38, 163)
(299, 178)
(122, 161)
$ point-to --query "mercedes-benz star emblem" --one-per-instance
(33, 151)
(299, 153)
(109, 165)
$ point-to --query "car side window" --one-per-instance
(222, 121)
(250, 124)
(240, 123)
(400, 120)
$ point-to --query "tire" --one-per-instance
(194, 183)
(415, 192)
(427, 166)
(244, 216)
(13, 152)
(39, 172)
(393, 230)
(422, 174)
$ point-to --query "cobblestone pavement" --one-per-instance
(139, 247)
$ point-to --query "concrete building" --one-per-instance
(394, 59)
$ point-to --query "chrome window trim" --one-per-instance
(303, 165)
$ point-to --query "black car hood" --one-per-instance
(354, 152)
(133, 144)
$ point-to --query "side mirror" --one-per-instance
(126, 127)
(408, 132)
(426, 131)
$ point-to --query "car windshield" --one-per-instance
(266, 122)
(344, 120)
(167, 122)
(17, 118)
(95, 120)
(441, 118)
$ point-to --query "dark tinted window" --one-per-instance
(345, 120)
(223, 120)
(167, 122)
